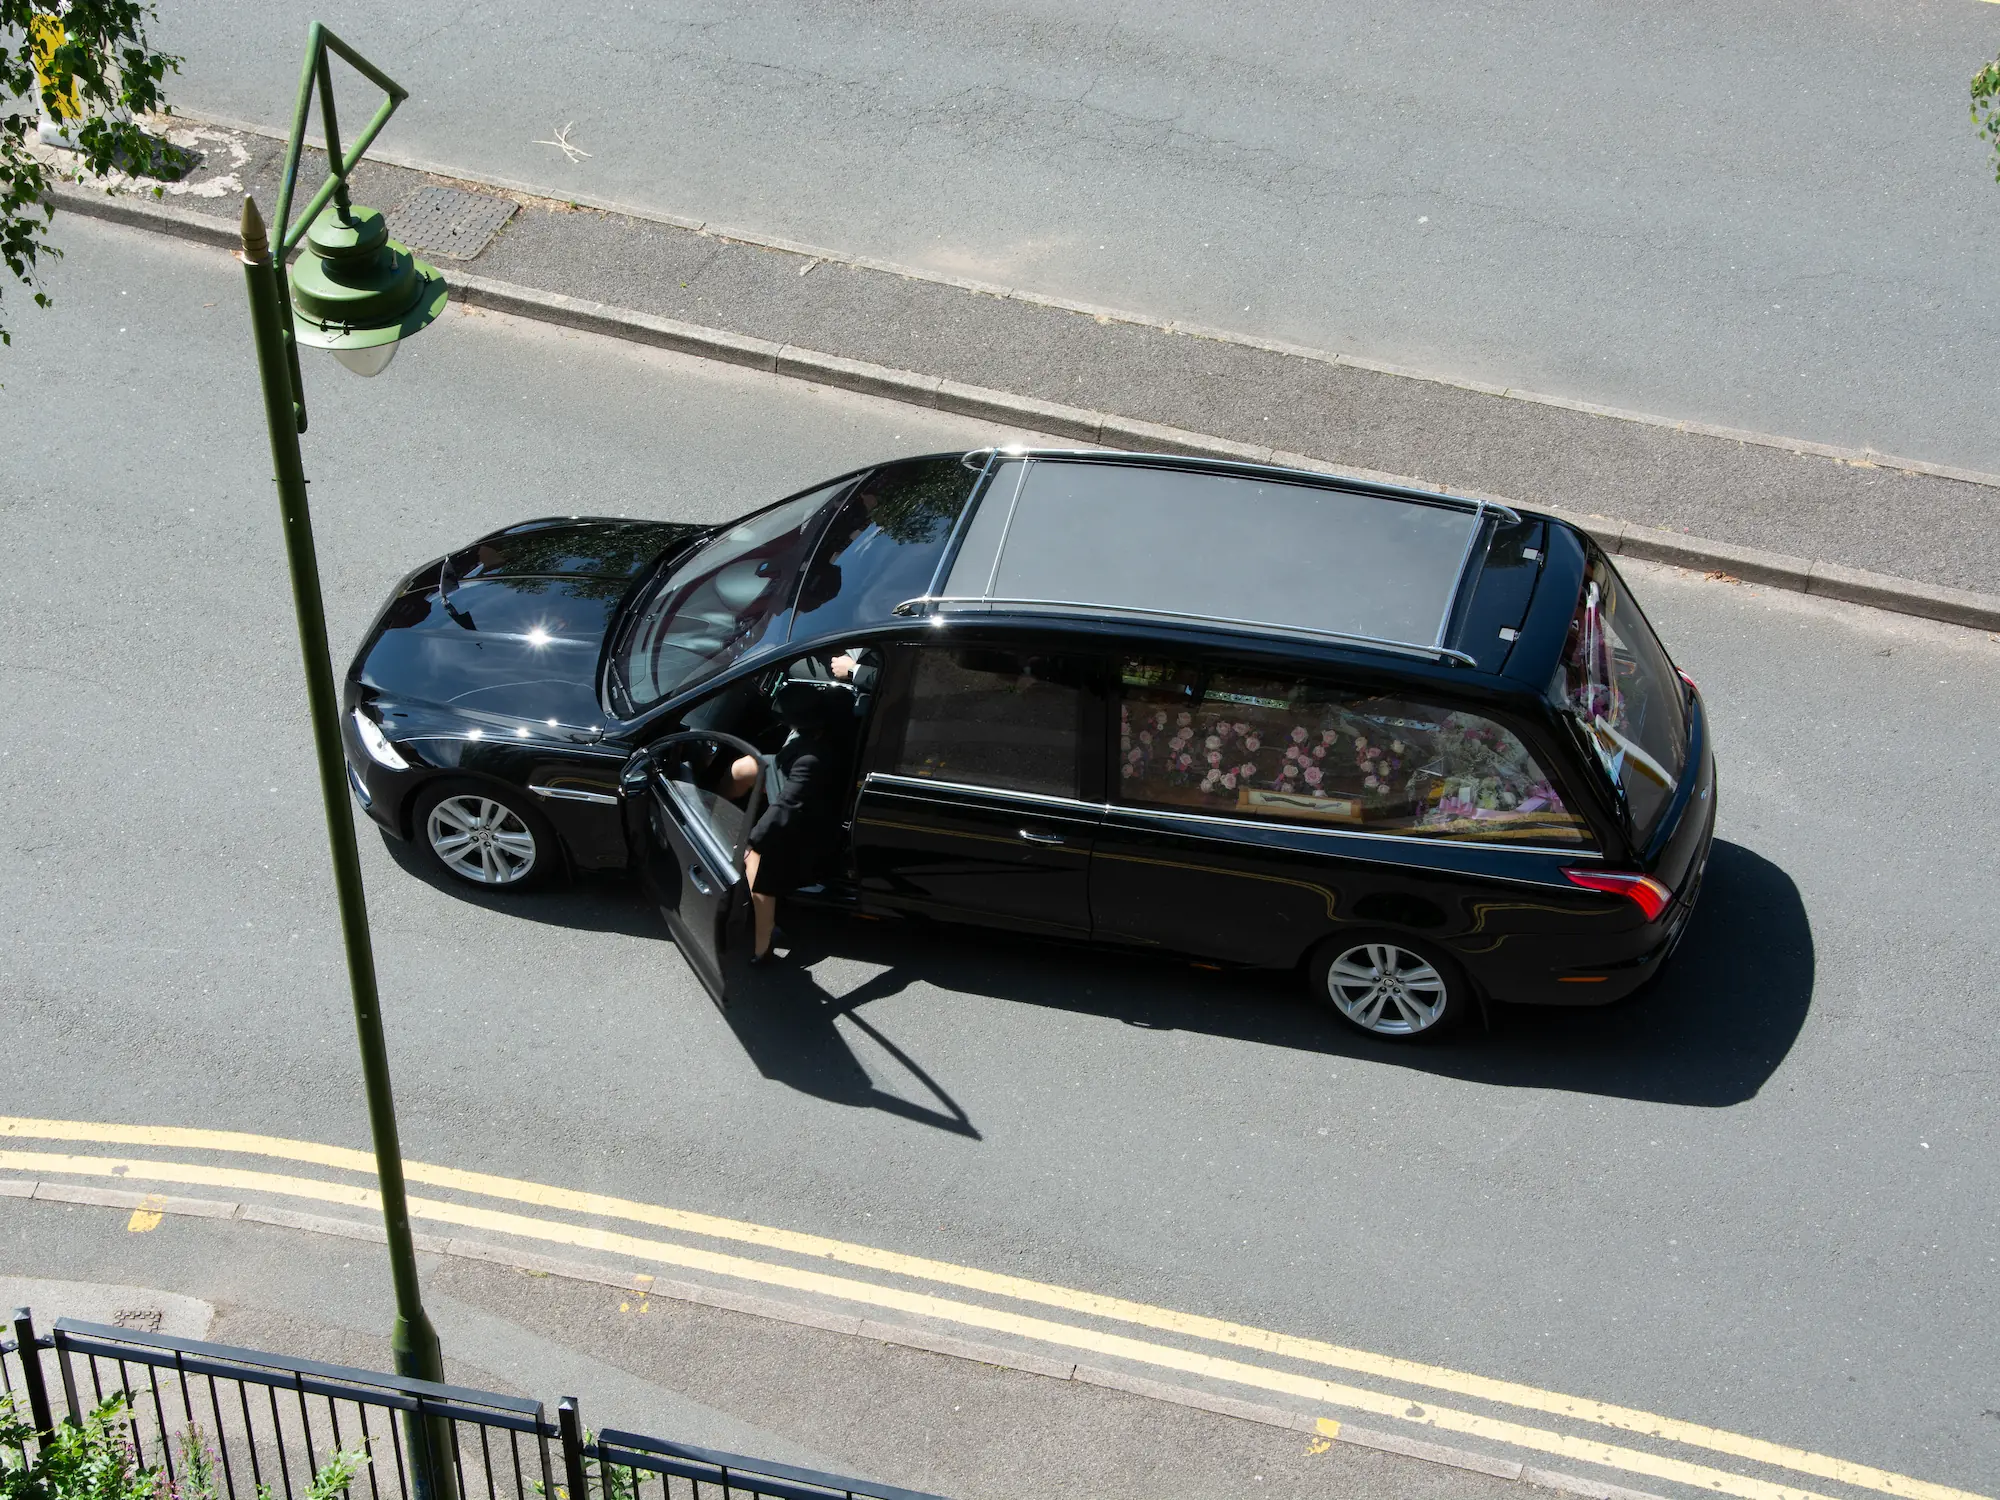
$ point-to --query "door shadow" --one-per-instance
(787, 1025)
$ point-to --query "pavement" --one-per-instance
(705, 1376)
(1845, 507)
(1772, 216)
(1759, 1200)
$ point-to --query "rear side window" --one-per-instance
(1255, 746)
(1616, 684)
(993, 719)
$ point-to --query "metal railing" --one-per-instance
(223, 1423)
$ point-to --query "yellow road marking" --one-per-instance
(146, 1218)
(1506, 1392)
(924, 1304)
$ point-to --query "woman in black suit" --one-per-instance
(791, 841)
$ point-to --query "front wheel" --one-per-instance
(485, 837)
(1390, 987)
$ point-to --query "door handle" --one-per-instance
(700, 878)
(1039, 838)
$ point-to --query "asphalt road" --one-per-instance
(1762, 1198)
(1771, 216)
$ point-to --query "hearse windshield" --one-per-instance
(1616, 683)
(718, 603)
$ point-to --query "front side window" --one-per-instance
(1249, 745)
(717, 603)
(1616, 684)
(993, 719)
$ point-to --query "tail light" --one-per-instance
(1643, 891)
(1687, 679)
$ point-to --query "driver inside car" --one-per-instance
(796, 835)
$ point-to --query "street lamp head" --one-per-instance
(357, 292)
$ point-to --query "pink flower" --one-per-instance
(1124, 770)
(1184, 720)
(1160, 719)
(1370, 782)
(1252, 743)
(1327, 736)
(1185, 761)
(1313, 775)
(1214, 742)
(1299, 735)
(1136, 756)
(1214, 758)
(1242, 728)
(1145, 736)
(1319, 752)
(1291, 770)
(1230, 782)
(1248, 768)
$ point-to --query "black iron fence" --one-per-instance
(236, 1424)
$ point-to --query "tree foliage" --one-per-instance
(1986, 108)
(87, 64)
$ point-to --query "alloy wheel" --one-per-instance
(481, 839)
(1386, 989)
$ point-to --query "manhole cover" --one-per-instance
(448, 222)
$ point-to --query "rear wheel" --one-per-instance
(1390, 986)
(486, 837)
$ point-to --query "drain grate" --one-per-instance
(448, 222)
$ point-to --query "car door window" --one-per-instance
(996, 719)
(1258, 746)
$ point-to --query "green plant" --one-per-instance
(1986, 108)
(96, 1461)
(88, 64)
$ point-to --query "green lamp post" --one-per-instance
(357, 293)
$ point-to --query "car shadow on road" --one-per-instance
(587, 902)
(1709, 1033)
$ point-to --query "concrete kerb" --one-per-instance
(805, 1316)
(1829, 580)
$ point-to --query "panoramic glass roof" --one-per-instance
(1255, 551)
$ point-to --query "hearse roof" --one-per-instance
(1244, 547)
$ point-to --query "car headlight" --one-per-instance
(377, 743)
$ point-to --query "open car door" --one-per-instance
(689, 838)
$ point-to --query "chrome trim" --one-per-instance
(1068, 804)
(1408, 648)
(1565, 851)
(1007, 526)
(1458, 582)
(572, 794)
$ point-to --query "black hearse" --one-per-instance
(1402, 743)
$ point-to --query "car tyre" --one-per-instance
(485, 836)
(1391, 986)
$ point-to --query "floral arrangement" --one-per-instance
(1399, 770)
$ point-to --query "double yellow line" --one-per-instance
(969, 1314)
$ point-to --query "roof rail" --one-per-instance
(926, 604)
(1478, 505)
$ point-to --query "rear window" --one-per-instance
(1617, 686)
(1246, 745)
